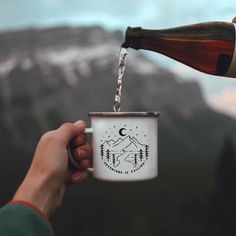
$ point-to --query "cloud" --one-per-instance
(210, 84)
(112, 14)
(219, 92)
(224, 102)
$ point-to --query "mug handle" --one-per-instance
(71, 158)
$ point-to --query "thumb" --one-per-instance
(68, 131)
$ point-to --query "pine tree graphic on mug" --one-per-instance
(128, 150)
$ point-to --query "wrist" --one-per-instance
(38, 193)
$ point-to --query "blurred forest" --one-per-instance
(53, 75)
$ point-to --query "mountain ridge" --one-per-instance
(124, 142)
(49, 76)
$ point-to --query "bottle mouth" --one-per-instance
(132, 36)
(125, 44)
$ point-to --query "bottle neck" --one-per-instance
(139, 38)
(132, 38)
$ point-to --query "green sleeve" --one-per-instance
(21, 220)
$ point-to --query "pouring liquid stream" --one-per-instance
(122, 61)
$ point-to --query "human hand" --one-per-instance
(49, 175)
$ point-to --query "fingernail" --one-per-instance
(79, 122)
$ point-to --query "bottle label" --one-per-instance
(232, 68)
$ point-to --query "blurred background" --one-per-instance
(59, 60)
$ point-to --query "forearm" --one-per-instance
(39, 192)
(48, 176)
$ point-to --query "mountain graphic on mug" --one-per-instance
(128, 150)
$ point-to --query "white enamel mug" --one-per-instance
(125, 145)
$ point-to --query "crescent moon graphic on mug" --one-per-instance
(120, 132)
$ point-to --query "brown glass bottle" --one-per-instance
(208, 47)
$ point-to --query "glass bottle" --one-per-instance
(208, 47)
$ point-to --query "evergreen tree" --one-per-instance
(146, 151)
(141, 154)
(135, 160)
(102, 151)
(113, 159)
(108, 155)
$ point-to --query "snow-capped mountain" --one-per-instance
(128, 144)
(49, 76)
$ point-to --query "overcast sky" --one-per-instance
(113, 14)
(121, 13)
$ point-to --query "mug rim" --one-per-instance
(115, 114)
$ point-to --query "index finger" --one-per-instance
(68, 131)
